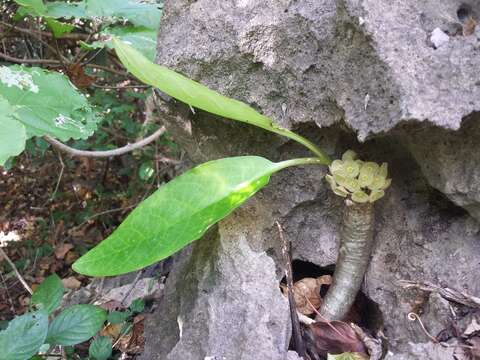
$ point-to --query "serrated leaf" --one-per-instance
(76, 324)
(197, 95)
(100, 348)
(178, 213)
(49, 293)
(12, 133)
(24, 336)
(47, 103)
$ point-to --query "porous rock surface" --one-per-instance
(346, 74)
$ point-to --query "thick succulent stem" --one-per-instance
(353, 258)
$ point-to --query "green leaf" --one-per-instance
(48, 294)
(347, 356)
(61, 9)
(138, 12)
(76, 324)
(35, 6)
(118, 317)
(197, 95)
(146, 171)
(58, 28)
(137, 306)
(47, 103)
(12, 133)
(177, 214)
(360, 197)
(140, 38)
(100, 348)
(24, 336)
(376, 195)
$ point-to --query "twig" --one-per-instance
(135, 281)
(12, 307)
(413, 316)
(58, 180)
(107, 153)
(120, 87)
(296, 329)
(71, 36)
(28, 61)
(445, 292)
(19, 276)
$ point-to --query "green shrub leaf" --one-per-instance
(76, 324)
(48, 294)
(24, 336)
(12, 133)
(142, 39)
(100, 348)
(177, 214)
(197, 95)
(47, 103)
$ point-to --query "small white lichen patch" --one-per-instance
(63, 122)
(17, 78)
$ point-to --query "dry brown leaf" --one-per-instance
(112, 305)
(78, 77)
(306, 293)
(71, 283)
(62, 249)
(112, 331)
(71, 257)
(335, 337)
(134, 341)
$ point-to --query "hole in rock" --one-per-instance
(464, 12)
(365, 312)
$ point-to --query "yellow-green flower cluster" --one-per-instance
(362, 181)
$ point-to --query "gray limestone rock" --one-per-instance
(346, 74)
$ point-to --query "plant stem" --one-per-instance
(353, 258)
(301, 161)
(308, 144)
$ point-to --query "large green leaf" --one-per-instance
(76, 324)
(137, 12)
(12, 132)
(200, 96)
(61, 9)
(49, 293)
(47, 103)
(141, 38)
(24, 336)
(37, 7)
(178, 213)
